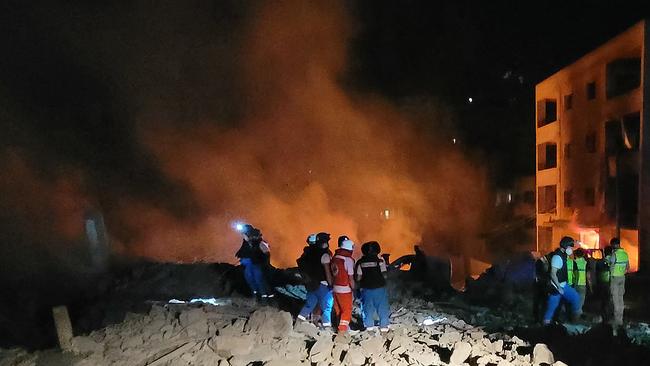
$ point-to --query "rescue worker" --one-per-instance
(558, 279)
(314, 264)
(602, 277)
(619, 265)
(540, 289)
(342, 267)
(254, 255)
(371, 274)
(580, 275)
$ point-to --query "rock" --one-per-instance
(541, 354)
(518, 341)
(497, 346)
(559, 363)
(373, 345)
(450, 337)
(355, 356)
(306, 328)
(321, 350)
(426, 357)
(227, 346)
(84, 345)
(270, 323)
(461, 352)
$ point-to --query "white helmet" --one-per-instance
(347, 244)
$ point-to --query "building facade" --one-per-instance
(593, 149)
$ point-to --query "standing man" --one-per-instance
(342, 266)
(371, 275)
(314, 264)
(558, 279)
(254, 254)
(619, 265)
(580, 275)
(602, 277)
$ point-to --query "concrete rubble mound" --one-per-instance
(240, 333)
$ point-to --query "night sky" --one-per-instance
(494, 52)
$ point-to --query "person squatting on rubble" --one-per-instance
(314, 266)
(580, 278)
(371, 275)
(561, 290)
(342, 267)
(619, 265)
(254, 255)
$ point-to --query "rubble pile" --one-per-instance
(239, 333)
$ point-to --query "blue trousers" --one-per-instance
(255, 277)
(570, 295)
(322, 297)
(373, 300)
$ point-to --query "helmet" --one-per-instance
(342, 238)
(566, 242)
(246, 229)
(322, 237)
(311, 239)
(615, 242)
(254, 234)
(347, 244)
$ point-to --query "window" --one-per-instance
(546, 199)
(568, 102)
(613, 137)
(591, 90)
(567, 151)
(546, 112)
(590, 197)
(590, 142)
(568, 198)
(546, 156)
(623, 75)
(631, 131)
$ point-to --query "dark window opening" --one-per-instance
(546, 199)
(546, 156)
(628, 198)
(568, 102)
(631, 131)
(623, 75)
(613, 137)
(568, 198)
(546, 112)
(590, 197)
(591, 90)
(544, 238)
(590, 142)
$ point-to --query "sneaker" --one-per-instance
(302, 318)
(353, 332)
(384, 329)
(371, 329)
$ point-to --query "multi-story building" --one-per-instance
(593, 148)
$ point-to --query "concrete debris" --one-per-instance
(462, 350)
(238, 333)
(542, 355)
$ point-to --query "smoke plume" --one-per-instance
(239, 111)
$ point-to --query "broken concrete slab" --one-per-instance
(84, 345)
(542, 354)
(461, 352)
(321, 350)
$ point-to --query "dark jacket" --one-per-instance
(254, 251)
(311, 267)
(369, 267)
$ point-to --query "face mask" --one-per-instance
(569, 251)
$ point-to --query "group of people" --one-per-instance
(332, 280)
(563, 276)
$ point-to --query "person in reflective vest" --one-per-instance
(370, 273)
(580, 275)
(602, 274)
(314, 265)
(570, 270)
(619, 265)
(558, 279)
(342, 266)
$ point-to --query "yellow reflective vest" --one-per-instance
(619, 267)
(581, 271)
(569, 271)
